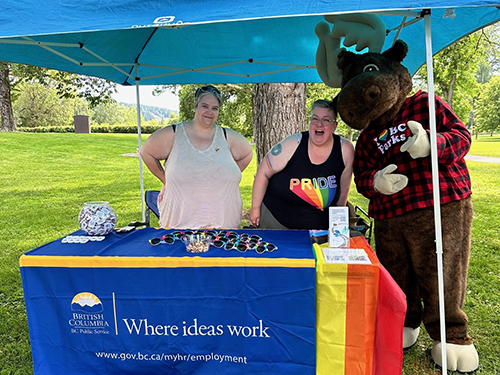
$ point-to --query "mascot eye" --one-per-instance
(371, 68)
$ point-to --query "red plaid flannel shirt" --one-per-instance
(377, 148)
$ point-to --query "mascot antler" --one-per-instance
(362, 30)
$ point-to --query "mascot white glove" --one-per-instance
(387, 183)
(418, 145)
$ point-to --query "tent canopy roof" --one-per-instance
(178, 42)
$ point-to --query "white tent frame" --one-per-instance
(435, 183)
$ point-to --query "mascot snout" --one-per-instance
(359, 105)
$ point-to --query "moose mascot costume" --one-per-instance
(392, 168)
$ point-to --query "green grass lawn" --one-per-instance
(486, 146)
(46, 178)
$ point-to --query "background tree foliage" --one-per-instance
(488, 107)
(66, 85)
(114, 113)
(39, 106)
(461, 73)
(455, 73)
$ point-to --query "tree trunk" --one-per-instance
(279, 110)
(449, 97)
(6, 112)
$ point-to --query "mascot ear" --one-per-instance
(397, 52)
(334, 103)
(345, 59)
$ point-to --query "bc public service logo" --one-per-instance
(87, 303)
(87, 315)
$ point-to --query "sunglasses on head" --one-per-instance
(168, 239)
(208, 88)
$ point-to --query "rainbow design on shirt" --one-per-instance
(383, 135)
(318, 192)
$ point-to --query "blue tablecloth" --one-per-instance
(122, 306)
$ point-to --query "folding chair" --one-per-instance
(151, 199)
(358, 223)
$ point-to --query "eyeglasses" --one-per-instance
(207, 89)
(168, 239)
(324, 121)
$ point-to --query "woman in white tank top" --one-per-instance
(202, 169)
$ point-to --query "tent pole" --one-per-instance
(138, 96)
(435, 184)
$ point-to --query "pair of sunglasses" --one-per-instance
(263, 246)
(181, 235)
(242, 246)
(208, 88)
(230, 235)
(168, 239)
(221, 241)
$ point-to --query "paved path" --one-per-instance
(484, 159)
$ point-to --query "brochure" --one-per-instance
(338, 233)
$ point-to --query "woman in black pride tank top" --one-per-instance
(303, 175)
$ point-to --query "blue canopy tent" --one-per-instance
(183, 42)
(180, 42)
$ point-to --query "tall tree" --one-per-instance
(6, 112)
(279, 110)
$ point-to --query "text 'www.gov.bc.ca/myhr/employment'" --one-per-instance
(178, 357)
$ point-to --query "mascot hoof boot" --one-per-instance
(410, 336)
(462, 358)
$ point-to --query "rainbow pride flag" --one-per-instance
(360, 314)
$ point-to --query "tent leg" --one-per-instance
(139, 140)
(435, 184)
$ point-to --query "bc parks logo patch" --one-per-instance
(87, 315)
(390, 137)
